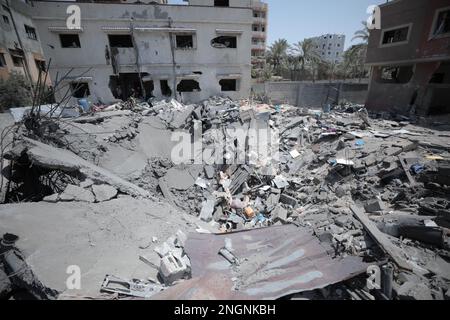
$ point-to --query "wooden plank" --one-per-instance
(411, 180)
(383, 241)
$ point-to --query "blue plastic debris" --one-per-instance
(417, 168)
(360, 143)
(84, 103)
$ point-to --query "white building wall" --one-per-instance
(153, 46)
(330, 47)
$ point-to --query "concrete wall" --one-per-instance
(330, 47)
(154, 46)
(313, 95)
(8, 40)
(420, 46)
(424, 52)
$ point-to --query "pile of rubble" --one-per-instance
(370, 188)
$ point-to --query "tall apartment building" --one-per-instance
(330, 47)
(410, 58)
(259, 33)
(20, 47)
(145, 48)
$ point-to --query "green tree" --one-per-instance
(353, 65)
(14, 92)
(277, 55)
(362, 34)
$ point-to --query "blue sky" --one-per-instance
(295, 20)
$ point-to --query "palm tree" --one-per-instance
(277, 54)
(362, 34)
(354, 59)
(305, 52)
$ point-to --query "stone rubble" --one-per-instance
(389, 167)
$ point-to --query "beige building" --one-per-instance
(259, 33)
(20, 47)
(125, 48)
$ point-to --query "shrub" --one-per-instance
(14, 92)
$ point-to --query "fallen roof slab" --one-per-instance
(274, 262)
(99, 238)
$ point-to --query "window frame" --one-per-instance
(3, 62)
(432, 34)
(394, 44)
(71, 34)
(194, 41)
(34, 32)
(6, 19)
(121, 34)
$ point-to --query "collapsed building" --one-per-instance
(410, 58)
(148, 198)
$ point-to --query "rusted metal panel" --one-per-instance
(273, 262)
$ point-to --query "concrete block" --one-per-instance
(75, 193)
(207, 210)
(104, 192)
(374, 206)
(290, 201)
(172, 269)
(52, 198)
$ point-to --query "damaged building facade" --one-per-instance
(20, 47)
(410, 58)
(188, 52)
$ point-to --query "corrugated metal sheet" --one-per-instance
(274, 262)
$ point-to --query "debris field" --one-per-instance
(348, 205)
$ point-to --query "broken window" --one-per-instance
(80, 89)
(184, 41)
(224, 42)
(40, 64)
(17, 61)
(396, 74)
(31, 32)
(165, 89)
(442, 74)
(120, 41)
(188, 86)
(149, 86)
(2, 61)
(221, 3)
(228, 84)
(70, 41)
(396, 35)
(443, 23)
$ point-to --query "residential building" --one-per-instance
(20, 47)
(330, 47)
(124, 48)
(410, 58)
(259, 33)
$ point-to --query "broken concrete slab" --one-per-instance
(179, 179)
(104, 192)
(59, 159)
(100, 238)
(51, 198)
(75, 193)
(207, 210)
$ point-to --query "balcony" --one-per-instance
(260, 6)
(258, 46)
(259, 20)
(259, 34)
